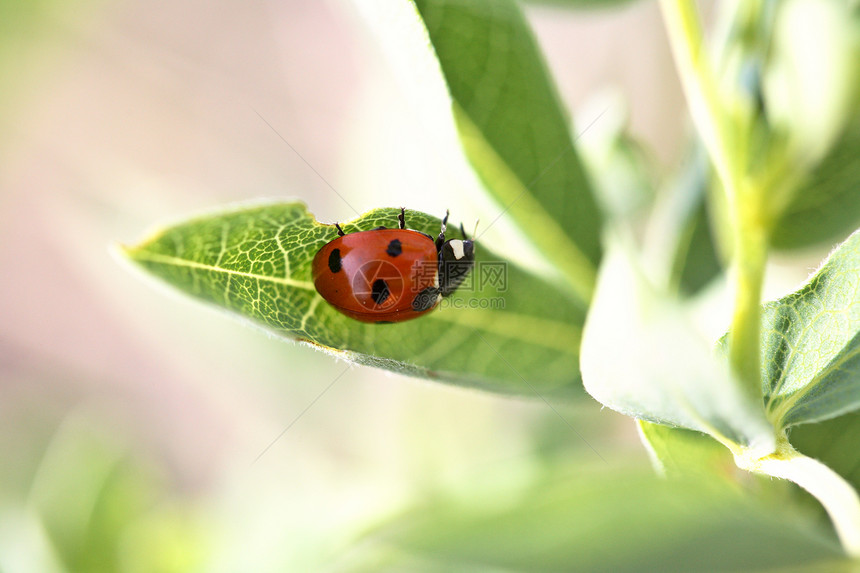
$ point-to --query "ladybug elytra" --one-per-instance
(390, 275)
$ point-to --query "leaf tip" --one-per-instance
(121, 252)
(131, 252)
(118, 249)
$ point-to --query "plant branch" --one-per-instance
(839, 499)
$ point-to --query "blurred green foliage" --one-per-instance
(579, 518)
(101, 506)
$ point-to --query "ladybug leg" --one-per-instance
(441, 238)
(402, 218)
(340, 232)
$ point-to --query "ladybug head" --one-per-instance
(456, 259)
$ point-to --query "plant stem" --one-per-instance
(750, 234)
(720, 128)
(834, 493)
(697, 80)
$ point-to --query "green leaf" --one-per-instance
(697, 262)
(515, 132)
(518, 334)
(678, 452)
(585, 520)
(827, 206)
(642, 356)
(834, 443)
(695, 259)
(623, 178)
(811, 344)
(94, 497)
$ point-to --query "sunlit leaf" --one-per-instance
(504, 330)
(620, 166)
(695, 258)
(643, 357)
(834, 443)
(698, 262)
(827, 206)
(515, 131)
(676, 451)
(811, 344)
(587, 520)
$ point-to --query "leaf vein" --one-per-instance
(180, 262)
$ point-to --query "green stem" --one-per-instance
(697, 80)
(719, 128)
(749, 245)
(837, 496)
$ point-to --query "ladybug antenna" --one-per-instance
(340, 232)
(441, 238)
(475, 234)
(402, 218)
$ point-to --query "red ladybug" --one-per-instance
(390, 275)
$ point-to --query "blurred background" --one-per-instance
(142, 431)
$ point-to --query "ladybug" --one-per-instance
(390, 275)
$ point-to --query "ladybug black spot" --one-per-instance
(394, 248)
(379, 291)
(425, 299)
(334, 261)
